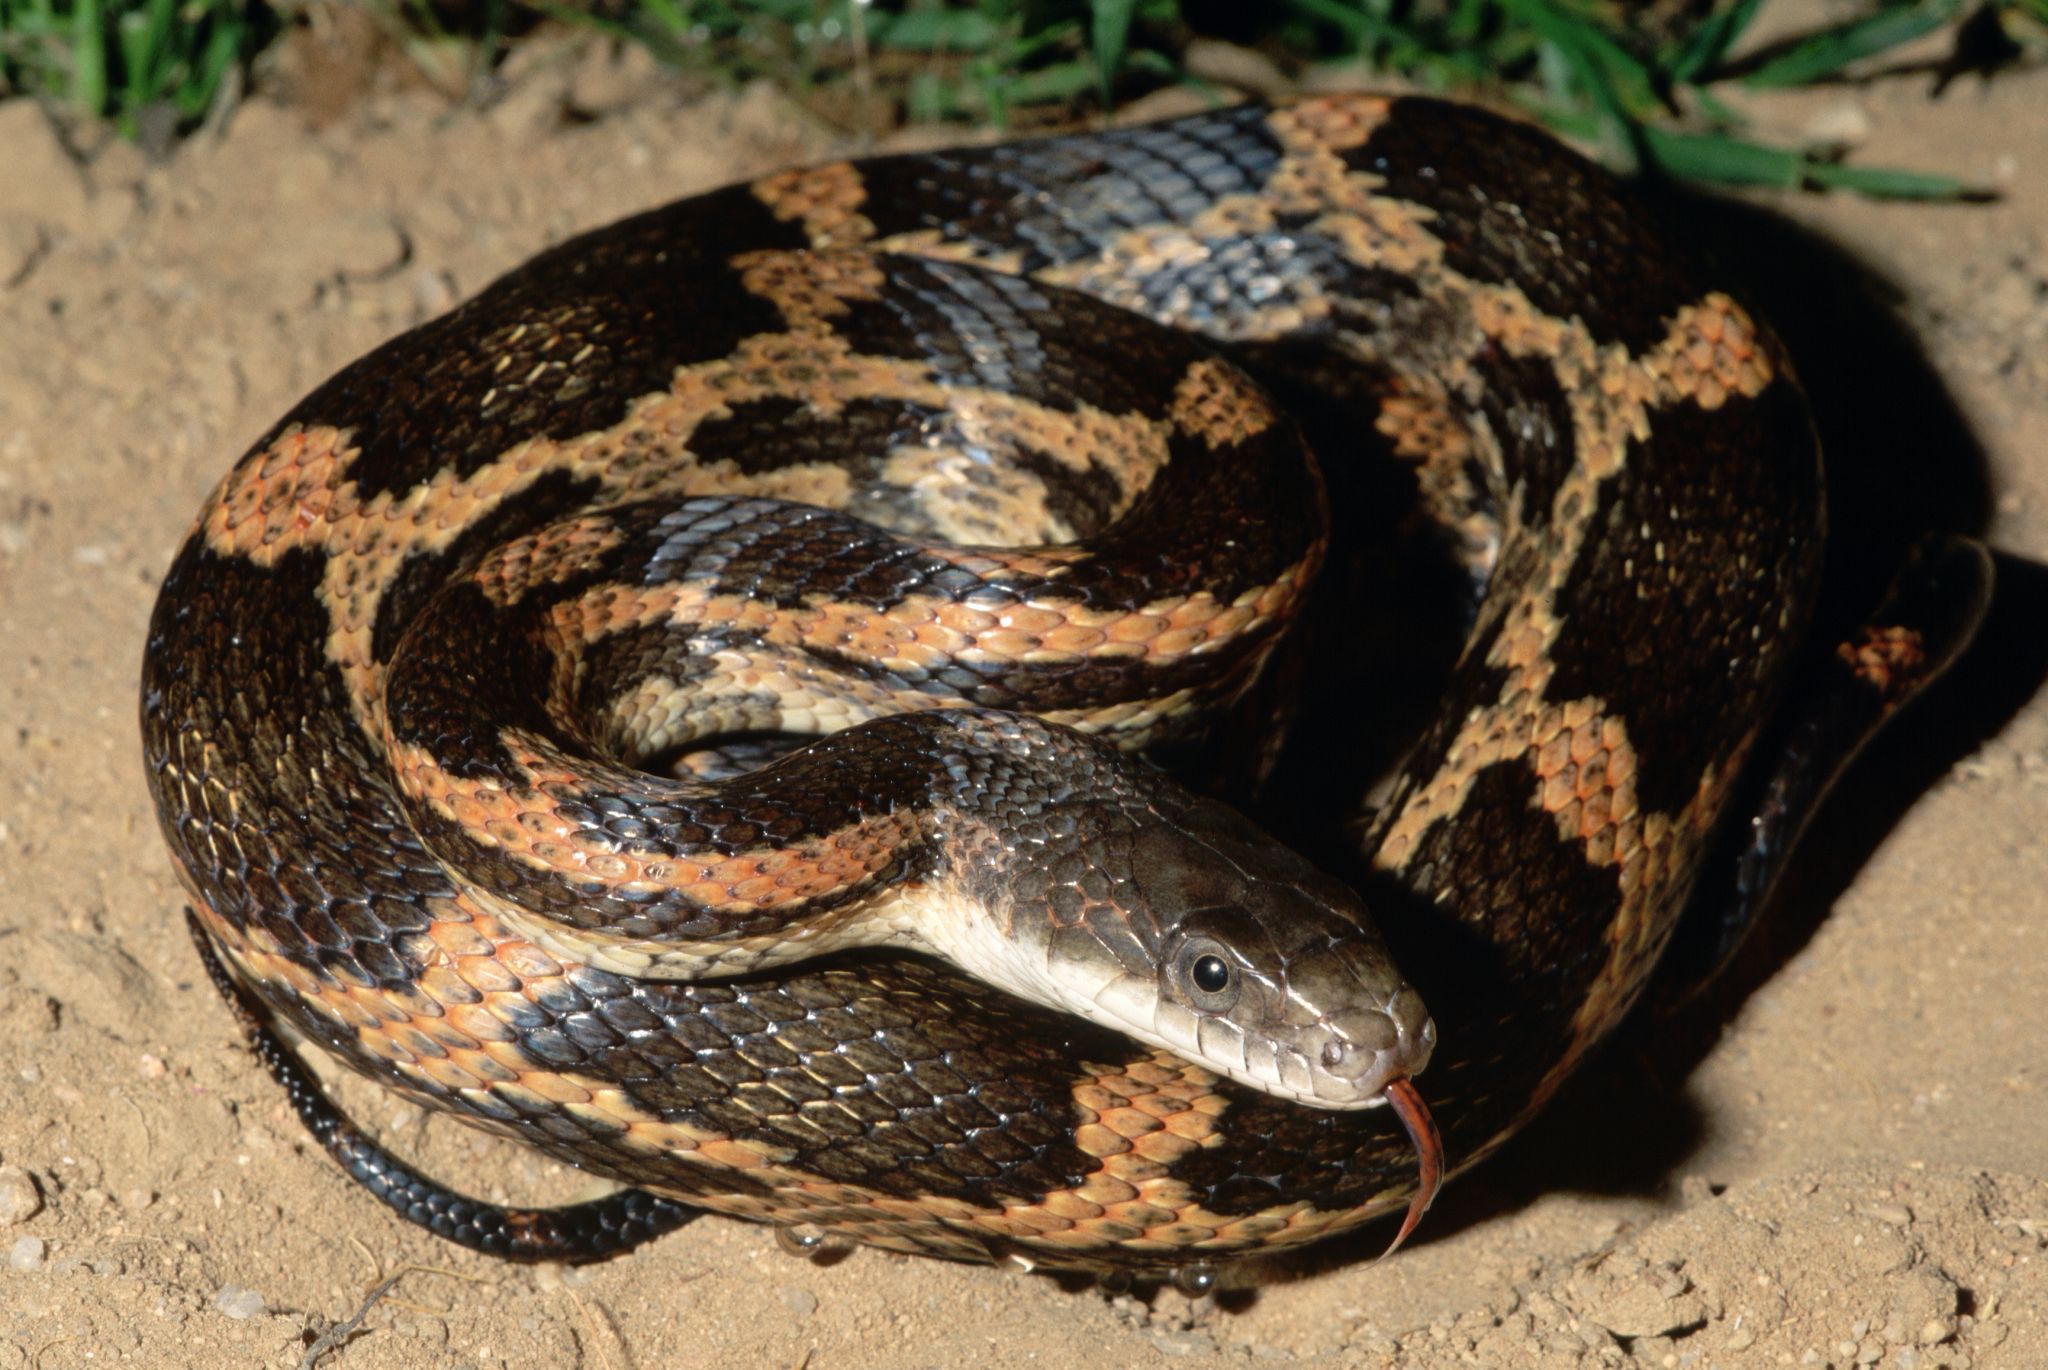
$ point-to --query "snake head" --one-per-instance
(1087, 882)
(1254, 964)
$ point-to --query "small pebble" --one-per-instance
(28, 1254)
(1844, 124)
(239, 1303)
(19, 1198)
(1183, 1343)
(799, 1301)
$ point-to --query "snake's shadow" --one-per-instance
(1902, 460)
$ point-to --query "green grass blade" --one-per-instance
(671, 19)
(1108, 35)
(1736, 161)
(1891, 183)
(937, 31)
(1711, 41)
(88, 84)
(211, 71)
(1614, 80)
(1824, 54)
(1722, 160)
(1061, 81)
(1361, 26)
(146, 52)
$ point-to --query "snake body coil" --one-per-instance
(901, 448)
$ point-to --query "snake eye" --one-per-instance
(1206, 977)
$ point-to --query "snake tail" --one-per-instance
(575, 1234)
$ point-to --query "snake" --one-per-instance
(688, 708)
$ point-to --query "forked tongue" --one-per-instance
(1429, 1152)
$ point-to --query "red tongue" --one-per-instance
(1429, 1150)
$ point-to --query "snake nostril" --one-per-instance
(1347, 1061)
(1356, 1043)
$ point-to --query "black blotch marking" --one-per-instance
(1082, 499)
(1688, 645)
(557, 494)
(453, 691)
(1052, 347)
(1512, 208)
(643, 296)
(251, 686)
(1513, 877)
(777, 432)
(1506, 958)
(619, 663)
(908, 1034)
(1532, 420)
(299, 876)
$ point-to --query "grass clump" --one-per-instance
(149, 66)
(1644, 81)
(1643, 87)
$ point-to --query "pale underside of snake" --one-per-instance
(468, 703)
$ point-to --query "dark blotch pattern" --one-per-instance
(1512, 209)
(327, 866)
(561, 346)
(1697, 570)
(1504, 974)
(1531, 419)
(555, 494)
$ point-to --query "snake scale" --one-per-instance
(466, 702)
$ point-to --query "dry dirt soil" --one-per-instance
(1845, 1162)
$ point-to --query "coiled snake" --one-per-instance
(466, 703)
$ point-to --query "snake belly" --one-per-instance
(1615, 444)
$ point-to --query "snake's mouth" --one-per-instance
(1407, 1104)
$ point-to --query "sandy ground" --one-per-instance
(1842, 1162)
